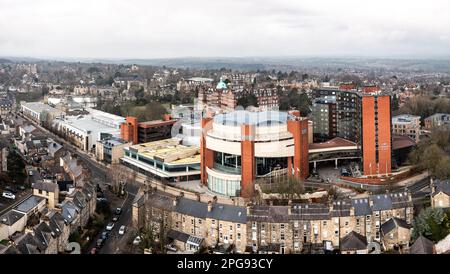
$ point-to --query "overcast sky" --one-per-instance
(210, 28)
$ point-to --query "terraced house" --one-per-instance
(294, 228)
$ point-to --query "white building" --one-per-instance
(408, 125)
(35, 110)
(85, 130)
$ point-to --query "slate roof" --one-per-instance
(310, 212)
(390, 201)
(228, 213)
(341, 208)
(393, 223)
(29, 204)
(442, 186)
(11, 217)
(178, 235)
(263, 213)
(69, 212)
(422, 246)
(192, 208)
(353, 241)
(46, 186)
(361, 206)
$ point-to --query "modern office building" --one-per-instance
(85, 130)
(166, 160)
(376, 135)
(145, 132)
(241, 146)
(408, 125)
(39, 112)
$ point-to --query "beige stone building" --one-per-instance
(295, 228)
(396, 233)
(440, 193)
(48, 191)
(110, 150)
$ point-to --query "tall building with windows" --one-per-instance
(376, 134)
(344, 109)
(241, 146)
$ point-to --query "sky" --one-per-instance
(232, 28)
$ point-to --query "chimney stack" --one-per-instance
(210, 206)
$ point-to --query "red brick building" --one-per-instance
(376, 135)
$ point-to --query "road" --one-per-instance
(115, 243)
(119, 243)
(7, 204)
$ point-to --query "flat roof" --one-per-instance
(333, 143)
(169, 151)
(40, 107)
(241, 117)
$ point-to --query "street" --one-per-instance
(115, 243)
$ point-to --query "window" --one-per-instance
(231, 227)
(192, 221)
(220, 225)
(238, 226)
(324, 223)
(231, 236)
(40, 191)
(296, 224)
(282, 236)
(254, 225)
(282, 226)
(184, 220)
(346, 223)
(199, 221)
(239, 236)
(213, 222)
(192, 231)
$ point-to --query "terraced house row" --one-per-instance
(348, 225)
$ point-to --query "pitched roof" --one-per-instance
(353, 241)
(422, 246)
(228, 213)
(442, 186)
(178, 235)
(361, 206)
(390, 201)
(11, 217)
(46, 186)
(393, 223)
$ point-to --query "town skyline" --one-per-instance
(136, 29)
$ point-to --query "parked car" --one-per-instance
(110, 226)
(115, 218)
(122, 230)
(137, 240)
(8, 195)
(100, 242)
(21, 187)
(105, 235)
(94, 250)
(102, 200)
(171, 247)
(118, 211)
